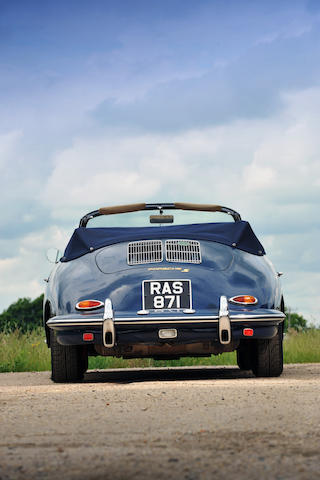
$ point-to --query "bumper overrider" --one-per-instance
(156, 328)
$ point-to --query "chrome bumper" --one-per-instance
(108, 322)
(110, 328)
(79, 321)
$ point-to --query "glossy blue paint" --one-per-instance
(105, 274)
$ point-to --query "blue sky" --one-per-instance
(107, 102)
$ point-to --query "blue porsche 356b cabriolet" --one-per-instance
(173, 282)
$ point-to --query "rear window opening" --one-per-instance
(142, 218)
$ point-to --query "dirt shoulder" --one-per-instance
(181, 423)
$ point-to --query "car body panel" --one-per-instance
(82, 278)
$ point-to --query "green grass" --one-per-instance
(111, 362)
(24, 352)
(302, 347)
(28, 352)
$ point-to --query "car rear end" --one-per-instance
(165, 291)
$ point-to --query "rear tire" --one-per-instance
(267, 356)
(68, 363)
(244, 355)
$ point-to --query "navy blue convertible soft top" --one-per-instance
(237, 235)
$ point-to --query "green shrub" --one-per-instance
(24, 315)
(294, 321)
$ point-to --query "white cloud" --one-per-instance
(271, 161)
(295, 30)
(303, 295)
(23, 275)
(257, 177)
(96, 171)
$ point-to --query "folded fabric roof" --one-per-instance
(237, 235)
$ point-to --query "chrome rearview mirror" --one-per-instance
(53, 255)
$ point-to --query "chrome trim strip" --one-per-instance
(154, 320)
(262, 319)
(75, 324)
(257, 316)
(163, 319)
(194, 320)
(75, 321)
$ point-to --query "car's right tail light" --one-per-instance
(243, 300)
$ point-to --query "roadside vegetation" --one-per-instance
(24, 315)
(23, 347)
(26, 352)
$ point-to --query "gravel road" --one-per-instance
(177, 423)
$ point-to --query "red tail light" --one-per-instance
(88, 337)
(89, 304)
(244, 300)
(248, 332)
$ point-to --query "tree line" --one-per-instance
(25, 315)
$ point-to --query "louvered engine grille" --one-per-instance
(146, 251)
(184, 251)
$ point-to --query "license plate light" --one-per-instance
(168, 333)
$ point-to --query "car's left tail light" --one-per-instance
(89, 304)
